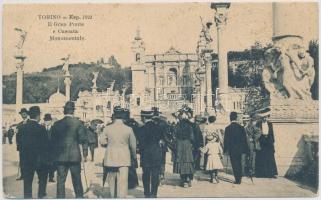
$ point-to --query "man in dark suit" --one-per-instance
(235, 144)
(67, 134)
(48, 124)
(10, 134)
(24, 115)
(198, 140)
(151, 150)
(33, 151)
(92, 135)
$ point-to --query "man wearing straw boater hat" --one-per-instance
(120, 153)
(67, 134)
(152, 152)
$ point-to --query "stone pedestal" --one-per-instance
(294, 122)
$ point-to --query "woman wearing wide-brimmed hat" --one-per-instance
(184, 159)
(265, 165)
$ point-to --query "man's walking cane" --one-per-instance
(18, 173)
(251, 169)
(226, 164)
(83, 167)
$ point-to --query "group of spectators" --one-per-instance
(195, 144)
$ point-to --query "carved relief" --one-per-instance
(288, 73)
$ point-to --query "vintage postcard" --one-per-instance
(160, 100)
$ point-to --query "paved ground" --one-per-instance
(279, 187)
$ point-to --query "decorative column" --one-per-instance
(220, 20)
(19, 65)
(67, 85)
(208, 72)
(19, 89)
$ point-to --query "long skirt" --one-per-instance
(265, 166)
(184, 168)
(184, 160)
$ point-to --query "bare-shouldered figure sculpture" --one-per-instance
(288, 73)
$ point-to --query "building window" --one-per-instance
(172, 77)
(137, 57)
(185, 80)
(161, 81)
(138, 101)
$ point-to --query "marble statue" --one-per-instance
(206, 31)
(23, 35)
(65, 67)
(220, 18)
(94, 81)
(288, 73)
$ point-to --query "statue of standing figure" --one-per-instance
(23, 35)
(94, 81)
(206, 32)
(65, 67)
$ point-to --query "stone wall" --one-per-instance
(291, 147)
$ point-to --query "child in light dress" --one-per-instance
(214, 151)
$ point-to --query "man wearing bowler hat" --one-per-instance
(24, 115)
(34, 150)
(235, 144)
(48, 124)
(67, 134)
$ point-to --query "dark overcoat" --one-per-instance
(265, 165)
(19, 135)
(67, 134)
(235, 141)
(150, 149)
(34, 143)
(92, 137)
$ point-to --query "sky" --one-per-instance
(113, 28)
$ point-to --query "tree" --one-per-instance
(255, 99)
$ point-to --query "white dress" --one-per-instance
(213, 150)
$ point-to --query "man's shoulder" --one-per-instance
(234, 125)
(67, 120)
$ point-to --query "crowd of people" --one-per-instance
(195, 143)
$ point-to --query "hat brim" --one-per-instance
(267, 114)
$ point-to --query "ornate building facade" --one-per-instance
(171, 79)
